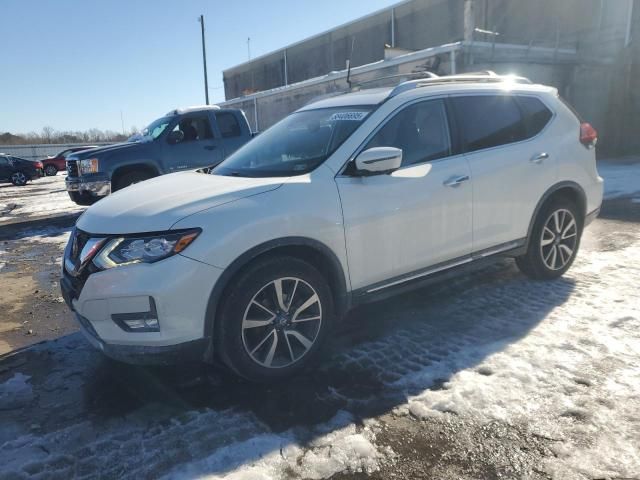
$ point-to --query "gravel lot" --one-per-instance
(490, 375)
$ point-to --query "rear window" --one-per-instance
(536, 114)
(228, 125)
(489, 121)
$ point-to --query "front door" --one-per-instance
(416, 217)
(197, 148)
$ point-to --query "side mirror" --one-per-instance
(378, 160)
(176, 136)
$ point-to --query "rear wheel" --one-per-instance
(19, 179)
(130, 178)
(554, 241)
(275, 319)
(50, 170)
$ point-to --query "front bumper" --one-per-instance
(185, 352)
(179, 288)
(97, 188)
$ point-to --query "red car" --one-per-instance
(52, 165)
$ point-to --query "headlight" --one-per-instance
(90, 165)
(143, 249)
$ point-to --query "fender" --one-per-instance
(341, 295)
(582, 201)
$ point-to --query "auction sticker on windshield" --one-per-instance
(357, 116)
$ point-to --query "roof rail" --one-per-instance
(486, 76)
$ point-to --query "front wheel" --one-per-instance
(50, 170)
(275, 319)
(19, 179)
(554, 241)
(130, 178)
(83, 199)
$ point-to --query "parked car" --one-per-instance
(18, 170)
(184, 139)
(57, 163)
(347, 200)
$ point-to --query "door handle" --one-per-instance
(539, 157)
(210, 147)
(454, 182)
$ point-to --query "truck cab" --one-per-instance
(184, 139)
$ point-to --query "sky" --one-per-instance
(77, 64)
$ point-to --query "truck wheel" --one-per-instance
(83, 199)
(50, 170)
(129, 179)
(274, 320)
(554, 241)
(19, 179)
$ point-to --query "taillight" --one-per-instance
(588, 135)
(39, 165)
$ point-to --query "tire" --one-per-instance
(130, 178)
(554, 241)
(50, 170)
(19, 179)
(257, 338)
(83, 199)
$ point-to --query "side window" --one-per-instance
(420, 130)
(228, 125)
(536, 114)
(4, 161)
(488, 121)
(194, 129)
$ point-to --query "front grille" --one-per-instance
(72, 168)
(76, 284)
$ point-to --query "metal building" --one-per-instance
(586, 48)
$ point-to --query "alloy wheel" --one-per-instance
(281, 322)
(50, 170)
(19, 178)
(559, 239)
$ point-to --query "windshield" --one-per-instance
(295, 145)
(154, 130)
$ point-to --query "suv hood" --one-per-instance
(157, 204)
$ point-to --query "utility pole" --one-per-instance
(204, 60)
(249, 48)
(122, 122)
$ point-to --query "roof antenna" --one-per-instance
(353, 40)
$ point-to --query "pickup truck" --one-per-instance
(184, 139)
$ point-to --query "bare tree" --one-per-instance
(47, 134)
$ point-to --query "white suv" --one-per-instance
(347, 199)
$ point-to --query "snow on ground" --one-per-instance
(36, 237)
(621, 179)
(559, 359)
(576, 375)
(44, 196)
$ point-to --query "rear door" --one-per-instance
(512, 163)
(199, 147)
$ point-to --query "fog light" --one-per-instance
(139, 321)
(150, 325)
